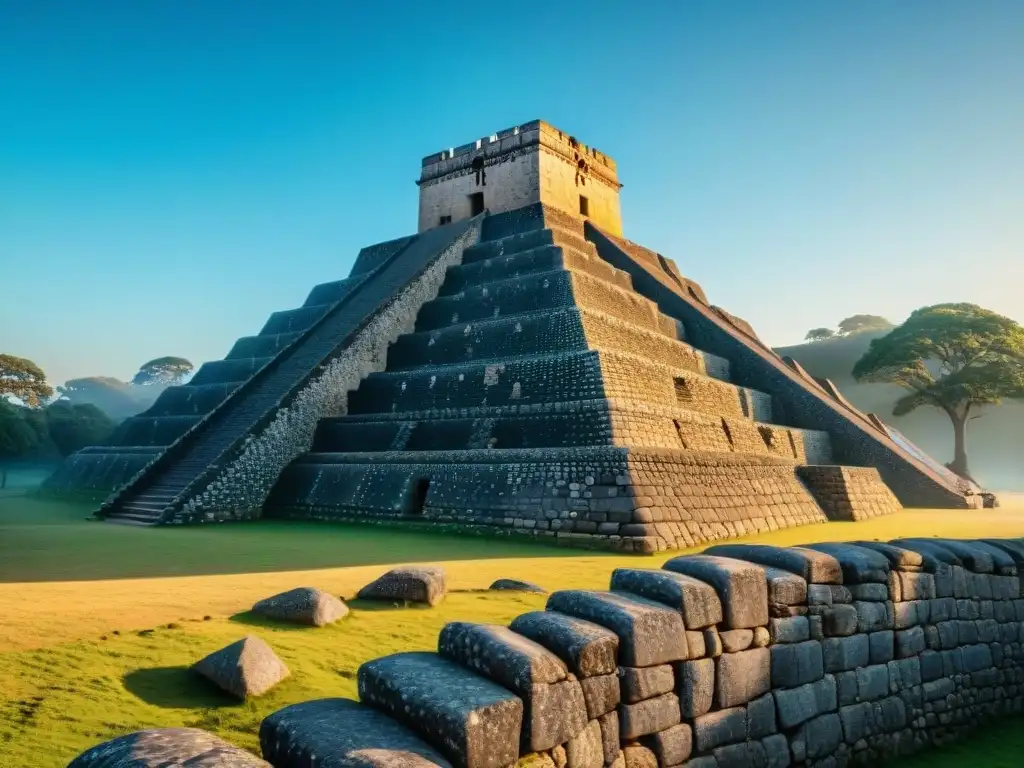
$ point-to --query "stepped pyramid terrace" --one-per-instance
(515, 365)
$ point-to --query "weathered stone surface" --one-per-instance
(900, 557)
(928, 548)
(515, 585)
(742, 587)
(810, 565)
(672, 746)
(872, 682)
(601, 694)
(839, 620)
(554, 707)
(817, 738)
(712, 643)
(695, 645)
(740, 677)
(881, 646)
(639, 683)
(637, 756)
(909, 642)
(610, 737)
(589, 649)
(776, 750)
(414, 584)
(859, 564)
(762, 637)
(650, 716)
(161, 747)
(696, 686)
(871, 617)
(842, 653)
(1004, 561)
(478, 728)
(973, 557)
(761, 717)
(500, 654)
(734, 640)
(344, 733)
(794, 629)
(721, 727)
(745, 755)
(696, 600)
(875, 593)
(798, 705)
(585, 750)
(649, 633)
(796, 664)
(246, 668)
(303, 605)
(785, 588)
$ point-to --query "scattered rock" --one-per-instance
(162, 747)
(514, 585)
(248, 667)
(303, 605)
(414, 584)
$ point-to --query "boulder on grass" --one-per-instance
(413, 584)
(244, 669)
(164, 747)
(303, 605)
(514, 585)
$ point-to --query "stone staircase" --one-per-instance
(228, 400)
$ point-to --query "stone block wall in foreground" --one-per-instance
(745, 655)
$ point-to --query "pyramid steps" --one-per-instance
(595, 422)
(542, 291)
(542, 259)
(268, 345)
(538, 333)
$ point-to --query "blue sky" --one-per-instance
(171, 173)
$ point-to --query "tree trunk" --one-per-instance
(959, 463)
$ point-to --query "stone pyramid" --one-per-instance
(518, 366)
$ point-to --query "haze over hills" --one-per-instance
(995, 441)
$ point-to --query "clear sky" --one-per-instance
(172, 172)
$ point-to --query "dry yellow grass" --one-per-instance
(43, 614)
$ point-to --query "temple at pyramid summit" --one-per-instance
(515, 365)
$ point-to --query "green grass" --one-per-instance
(75, 670)
(46, 540)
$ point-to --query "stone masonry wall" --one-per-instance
(244, 484)
(849, 493)
(606, 498)
(743, 656)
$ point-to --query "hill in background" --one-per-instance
(995, 442)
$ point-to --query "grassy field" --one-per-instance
(85, 656)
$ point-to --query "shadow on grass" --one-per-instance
(175, 688)
(385, 605)
(250, 619)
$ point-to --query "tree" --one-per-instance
(73, 426)
(18, 436)
(112, 396)
(24, 380)
(163, 371)
(954, 357)
(819, 334)
(861, 323)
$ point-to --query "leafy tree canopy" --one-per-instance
(165, 371)
(73, 426)
(955, 357)
(819, 334)
(24, 380)
(861, 323)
